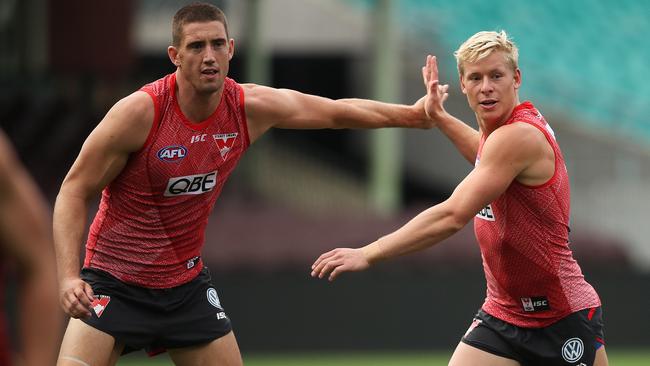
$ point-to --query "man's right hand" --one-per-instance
(76, 297)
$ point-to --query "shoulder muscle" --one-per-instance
(105, 152)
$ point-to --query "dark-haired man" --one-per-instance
(160, 158)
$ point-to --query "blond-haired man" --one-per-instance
(539, 309)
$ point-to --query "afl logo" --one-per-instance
(573, 350)
(172, 153)
(213, 298)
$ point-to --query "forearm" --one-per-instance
(69, 228)
(426, 229)
(25, 225)
(463, 136)
(39, 329)
(363, 113)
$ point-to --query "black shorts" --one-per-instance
(156, 319)
(572, 340)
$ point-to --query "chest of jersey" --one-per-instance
(183, 161)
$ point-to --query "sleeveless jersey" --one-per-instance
(532, 277)
(150, 226)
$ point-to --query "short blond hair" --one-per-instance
(482, 44)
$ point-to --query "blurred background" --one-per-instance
(296, 194)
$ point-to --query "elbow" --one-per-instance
(455, 223)
(455, 220)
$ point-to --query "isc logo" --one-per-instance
(191, 184)
(172, 153)
(535, 303)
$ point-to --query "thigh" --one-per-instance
(223, 351)
(466, 355)
(601, 357)
(84, 345)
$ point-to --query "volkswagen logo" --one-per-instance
(573, 349)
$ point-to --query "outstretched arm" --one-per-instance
(104, 154)
(508, 153)
(25, 236)
(464, 137)
(284, 108)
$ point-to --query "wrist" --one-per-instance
(68, 276)
(373, 252)
(419, 117)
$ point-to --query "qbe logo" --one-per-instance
(191, 184)
(486, 213)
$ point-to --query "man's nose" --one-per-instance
(486, 85)
(209, 56)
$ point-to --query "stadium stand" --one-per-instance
(583, 58)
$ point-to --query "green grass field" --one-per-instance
(616, 358)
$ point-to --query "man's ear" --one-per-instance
(462, 84)
(172, 52)
(517, 78)
(231, 48)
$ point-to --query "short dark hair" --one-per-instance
(195, 13)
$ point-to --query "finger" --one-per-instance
(89, 292)
(329, 267)
(425, 76)
(322, 258)
(433, 72)
(324, 269)
(74, 308)
(434, 86)
(434, 67)
(335, 273)
(82, 297)
(426, 69)
(320, 267)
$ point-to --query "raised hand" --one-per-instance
(436, 93)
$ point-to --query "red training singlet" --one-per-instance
(532, 278)
(150, 226)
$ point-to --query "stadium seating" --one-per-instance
(582, 59)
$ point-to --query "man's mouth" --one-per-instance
(488, 102)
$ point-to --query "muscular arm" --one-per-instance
(284, 108)
(104, 154)
(508, 154)
(463, 136)
(25, 234)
